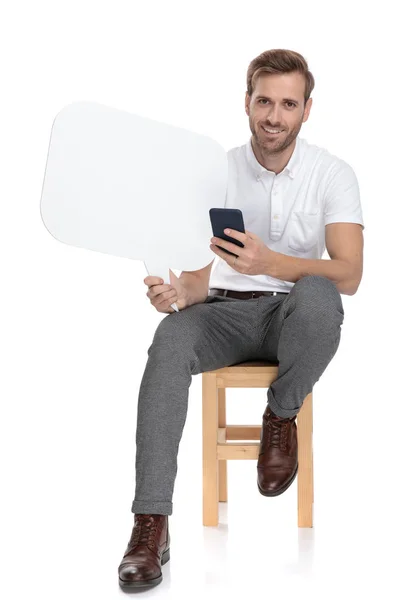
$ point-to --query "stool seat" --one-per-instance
(219, 447)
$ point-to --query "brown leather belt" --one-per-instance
(244, 295)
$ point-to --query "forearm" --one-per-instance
(292, 268)
(194, 288)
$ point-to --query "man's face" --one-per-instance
(277, 102)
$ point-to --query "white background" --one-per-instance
(76, 324)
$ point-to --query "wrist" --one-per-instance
(274, 264)
(191, 290)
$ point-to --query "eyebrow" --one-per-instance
(285, 99)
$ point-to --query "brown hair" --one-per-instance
(279, 61)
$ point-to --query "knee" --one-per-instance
(166, 334)
(173, 333)
(318, 298)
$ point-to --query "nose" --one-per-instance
(274, 116)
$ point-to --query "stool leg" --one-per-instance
(305, 483)
(210, 461)
(222, 464)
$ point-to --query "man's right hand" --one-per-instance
(162, 295)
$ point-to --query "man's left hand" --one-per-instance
(255, 258)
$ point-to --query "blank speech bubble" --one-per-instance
(129, 186)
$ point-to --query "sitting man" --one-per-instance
(277, 300)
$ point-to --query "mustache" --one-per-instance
(272, 126)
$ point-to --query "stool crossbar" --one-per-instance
(222, 442)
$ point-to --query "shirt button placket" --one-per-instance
(275, 212)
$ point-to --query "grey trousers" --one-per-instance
(300, 331)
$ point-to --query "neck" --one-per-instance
(275, 162)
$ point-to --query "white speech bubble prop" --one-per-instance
(129, 186)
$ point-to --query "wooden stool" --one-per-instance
(217, 450)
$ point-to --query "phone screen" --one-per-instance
(221, 218)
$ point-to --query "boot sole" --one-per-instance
(145, 584)
(281, 490)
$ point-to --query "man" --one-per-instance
(277, 301)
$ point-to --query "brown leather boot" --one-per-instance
(147, 550)
(277, 461)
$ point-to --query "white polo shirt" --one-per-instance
(287, 211)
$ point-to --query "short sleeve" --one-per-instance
(342, 197)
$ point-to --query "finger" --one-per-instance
(238, 235)
(222, 254)
(156, 290)
(227, 245)
(164, 300)
(152, 280)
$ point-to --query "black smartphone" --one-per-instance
(222, 218)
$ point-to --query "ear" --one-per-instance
(247, 104)
(307, 109)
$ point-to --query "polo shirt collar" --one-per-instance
(291, 168)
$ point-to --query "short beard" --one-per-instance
(264, 146)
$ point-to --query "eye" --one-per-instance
(262, 100)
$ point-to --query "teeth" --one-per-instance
(272, 130)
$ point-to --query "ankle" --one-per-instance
(269, 411)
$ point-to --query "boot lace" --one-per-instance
(144, 531)
(277, 434)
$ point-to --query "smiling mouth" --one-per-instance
(272, 132)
